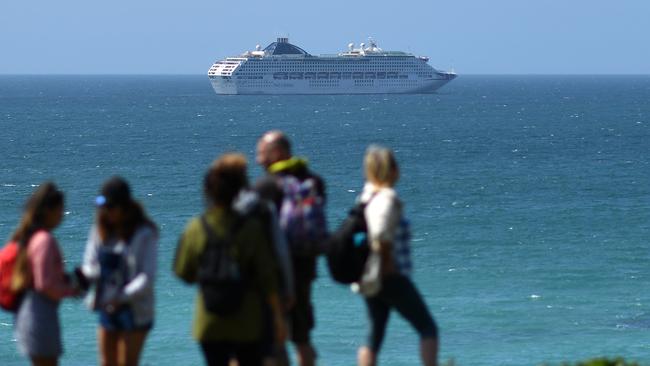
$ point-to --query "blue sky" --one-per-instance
(185, 37)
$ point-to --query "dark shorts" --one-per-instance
(120, 320)
(301, 315)
(220, 353)
(399, 293)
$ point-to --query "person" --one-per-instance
(239, 333)
(392, 288)
(38, 331)
(120, 260)
(274, 155)
(248, 202)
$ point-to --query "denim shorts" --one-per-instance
(120, 320)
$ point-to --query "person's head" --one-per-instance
(272, 147)
(43, 210)
(118, 214)
(380, 166)
(225, 178)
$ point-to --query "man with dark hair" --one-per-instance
(274, 155)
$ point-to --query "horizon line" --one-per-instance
(202, 74)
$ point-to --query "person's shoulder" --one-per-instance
(269, 188)
(41, 242)
(371, 191)
(388, 193)
(193, 228)
(41, 237)
(319, 182)
(313, 175)
(267, 180)
(379, 197)
(194, 224)
(193, 235)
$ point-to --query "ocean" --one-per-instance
(529, 198)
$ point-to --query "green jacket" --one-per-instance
(251, 248)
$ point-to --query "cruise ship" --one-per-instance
(284, 68)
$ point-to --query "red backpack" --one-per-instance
(9, 300)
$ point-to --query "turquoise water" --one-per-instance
(529, 198)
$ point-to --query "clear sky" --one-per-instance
(185, 37)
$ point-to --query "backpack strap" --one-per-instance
(209, 232)
(363, 205)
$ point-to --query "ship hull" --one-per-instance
(230, 86)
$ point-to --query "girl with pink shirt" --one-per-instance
(38, 331)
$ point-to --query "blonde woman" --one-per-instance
(390, 287)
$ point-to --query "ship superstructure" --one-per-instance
(284, 68)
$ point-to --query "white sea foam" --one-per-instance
(535, 296)
(351, 190)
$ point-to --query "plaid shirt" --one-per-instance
(402, 247)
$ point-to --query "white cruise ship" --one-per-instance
(283, 68)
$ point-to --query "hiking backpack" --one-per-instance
(9, 299)
(219, 276)
(302, 216)
(348, 247)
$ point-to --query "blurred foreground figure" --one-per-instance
(39, 269)
(120, 261)
(230, 256)
(299, 196)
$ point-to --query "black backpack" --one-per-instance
(348, 247)
(220, 279)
